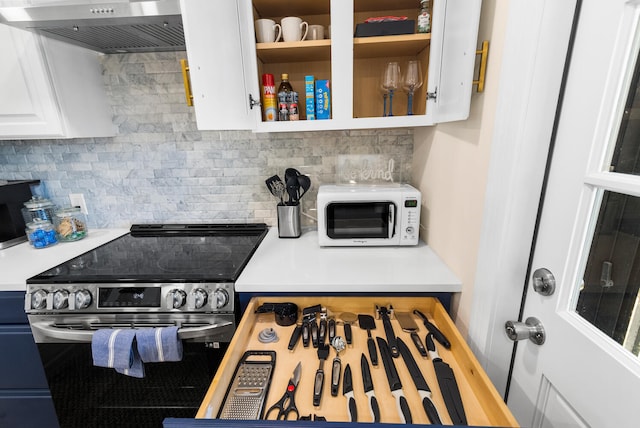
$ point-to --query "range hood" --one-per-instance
(116, 27)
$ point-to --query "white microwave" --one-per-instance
(368, 214)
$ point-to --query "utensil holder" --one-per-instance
(289, 221)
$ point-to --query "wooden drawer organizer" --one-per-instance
(483, 404)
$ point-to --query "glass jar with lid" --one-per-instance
(71, 224)
(41, 233)
(38, 207)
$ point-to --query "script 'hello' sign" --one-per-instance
(365, 168)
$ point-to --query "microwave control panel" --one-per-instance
(409, 221)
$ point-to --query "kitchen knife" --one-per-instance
(388, 329)
(421, 384)
(347, 391)
(394, 381)
(437, 334)
(367, 382)
(448, 385)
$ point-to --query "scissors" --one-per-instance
(286, 404)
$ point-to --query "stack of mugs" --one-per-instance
(290, 29)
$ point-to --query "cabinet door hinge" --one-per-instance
(253, 103)
(432, 95)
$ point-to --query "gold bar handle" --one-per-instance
(187, 83)
(484, 53)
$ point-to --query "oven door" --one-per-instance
(364, 220)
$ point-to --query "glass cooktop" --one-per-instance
(164, 253)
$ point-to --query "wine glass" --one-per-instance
(385, 94)
(412, 81)
(391, 82)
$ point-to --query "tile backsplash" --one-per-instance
(160, 168)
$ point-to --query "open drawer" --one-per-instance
(483, 405)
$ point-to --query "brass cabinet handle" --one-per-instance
(484, 53)
(187, 83)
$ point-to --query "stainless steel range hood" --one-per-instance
(116, 27)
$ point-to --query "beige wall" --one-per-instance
(450, 167)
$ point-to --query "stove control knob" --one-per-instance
(39, 299)
(176, 299)
(82, 299)
(60, 299)
(197, 299)
(221, 298)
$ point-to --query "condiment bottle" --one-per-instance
(284, 97)
(424, 18)
(269, 98)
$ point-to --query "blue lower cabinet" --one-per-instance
(27, 409)
(25, 400)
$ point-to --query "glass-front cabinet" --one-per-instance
(349, 45)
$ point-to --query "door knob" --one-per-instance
(531, 329)
(544, 282)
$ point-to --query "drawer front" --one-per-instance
(20, 364)
(12, 308)
(27, 409)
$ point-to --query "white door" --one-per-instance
(587, 373)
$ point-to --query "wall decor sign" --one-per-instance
(354, 169)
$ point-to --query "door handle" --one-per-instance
(531, 329)
(187, 82)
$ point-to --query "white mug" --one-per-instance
(266, 31)
(316, 32)
(292, 29)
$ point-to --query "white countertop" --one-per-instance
(300, 265)
(22, 261)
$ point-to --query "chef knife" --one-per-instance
(437, 334)
(367, 382)
(421, 384)
(347, 391)
(448, 385)
(394, 381)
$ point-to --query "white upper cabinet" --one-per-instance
(226, 63)
(50, 89)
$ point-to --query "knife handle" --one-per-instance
(295, 336)
(322, 332)
(431, 346)
(318, 385)
(353, 410)
(403, 407)
(432, 412)
(332, 330)
(335, 376)
(375, 408)
(347, 333)
(418, 343)
(373, 351)
(305, 334)
(314, 333)
(438, 335)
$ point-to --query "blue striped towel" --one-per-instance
(157, 345)
(116, 348)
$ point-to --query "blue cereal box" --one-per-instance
(323, 99)
(310, 99)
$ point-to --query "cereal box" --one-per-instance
(323, 99)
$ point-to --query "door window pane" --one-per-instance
(612, 275)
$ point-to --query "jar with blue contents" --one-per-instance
(41, 233)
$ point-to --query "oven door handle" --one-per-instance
(50, 331)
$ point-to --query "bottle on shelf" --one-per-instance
(269, 103)
(424, 17)
(284, 98)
